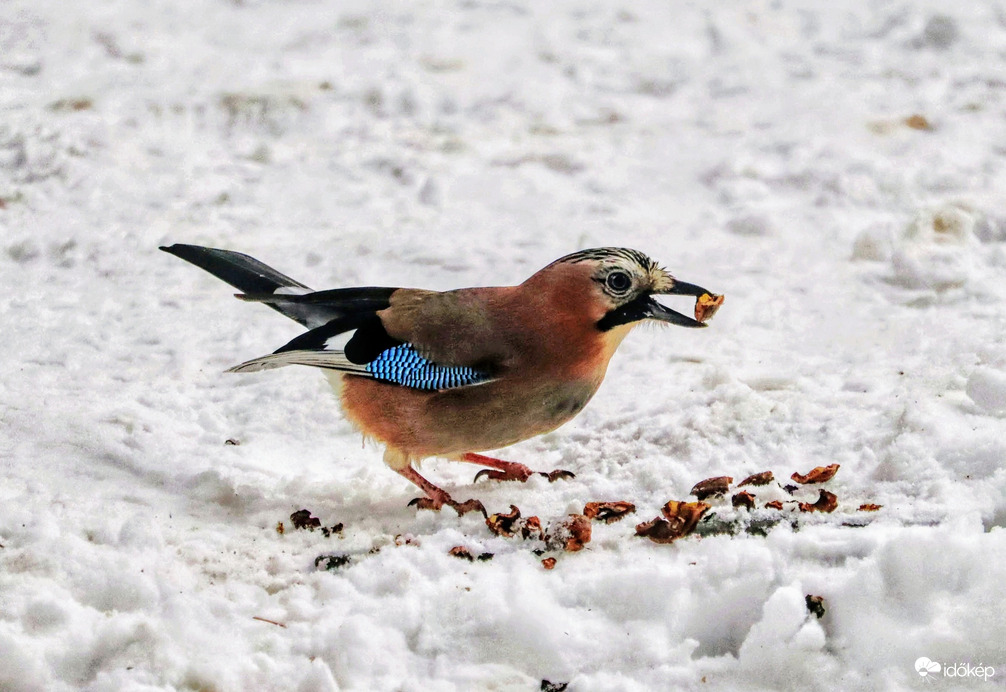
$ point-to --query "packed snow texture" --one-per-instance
(837, 170)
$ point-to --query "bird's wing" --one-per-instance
(426, 358)
(439, 351)
(466, 327)
(399, 365)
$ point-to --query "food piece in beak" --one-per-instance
(646, 307)
(706, 306)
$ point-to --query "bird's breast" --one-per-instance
(467, 419)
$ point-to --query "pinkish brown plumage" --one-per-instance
(455, 373)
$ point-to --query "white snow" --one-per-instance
(767, 151)
(987, 388)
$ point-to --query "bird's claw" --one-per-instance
(425, 503)
(516, 474)
(487, 473)
(553, 476)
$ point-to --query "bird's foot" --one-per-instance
(461, 508)
(518, 472)
(508, 470)
(523, 474)
(436, 497)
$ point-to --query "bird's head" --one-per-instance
(621, 284)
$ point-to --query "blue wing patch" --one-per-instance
(404, 366)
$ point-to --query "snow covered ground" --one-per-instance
(838, 170)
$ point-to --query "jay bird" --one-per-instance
(454, 373)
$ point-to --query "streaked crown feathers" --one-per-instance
(651, 275)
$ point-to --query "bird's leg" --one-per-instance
(438, 497)
(508, 470)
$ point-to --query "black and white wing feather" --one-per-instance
(400, 365)
(370, 350)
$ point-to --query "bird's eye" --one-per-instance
(618, 282)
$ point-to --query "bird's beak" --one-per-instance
(644, 307)
(655, 311)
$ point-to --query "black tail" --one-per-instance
(259, 282)
(240, 271)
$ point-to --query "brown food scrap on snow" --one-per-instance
(743, 499)
(711, 486)
(548, 563)
(819, 474)
(918, 122)
(684, 514)
(71, 104)
(302, 519)
(461, 552)
(328, 531)
(531, 529)
(657, 530)
(571, 535)
(608, 512)
(579, 529)
(774, 504)
(815, 604)
(763, 478)
(280, 529)
(869, 507)
(504, 524)
(826, 502)
(332, 562)
(680, 520)
(706, 306)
